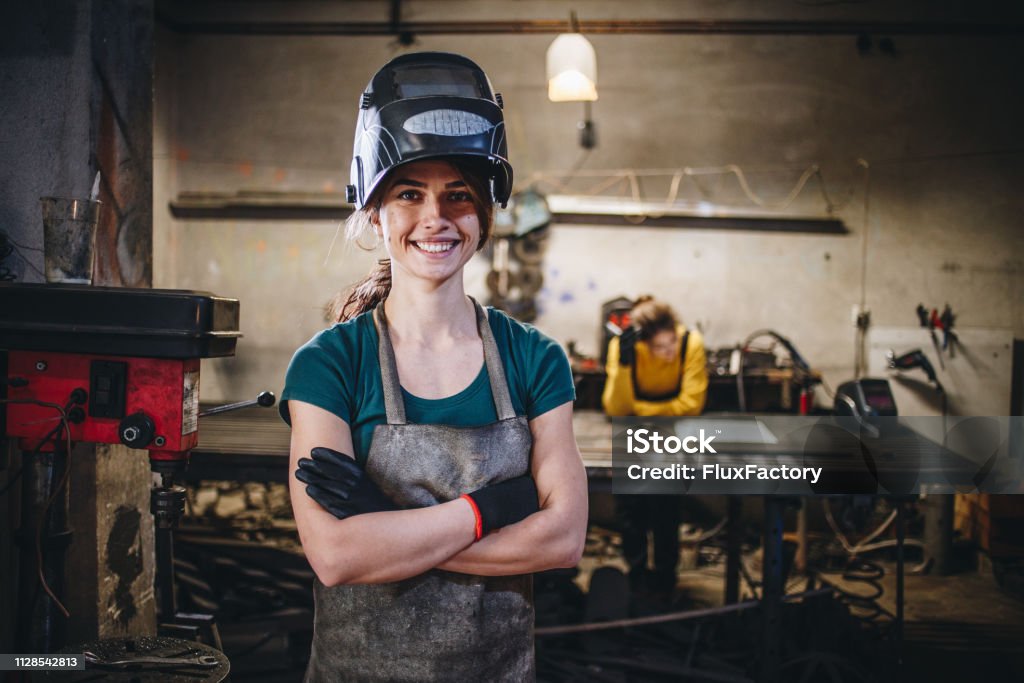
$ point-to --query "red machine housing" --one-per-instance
(133, 354)
(166, 390)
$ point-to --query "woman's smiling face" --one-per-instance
(428, 220)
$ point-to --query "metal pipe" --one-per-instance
(938, 530)
(599, 26)
(801, 534)
(165, 573)
(733, 550)
(684, 615)
(264, 400)
(772, 589)
(901, 534)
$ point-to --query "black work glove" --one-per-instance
(627, 346)
(339, 485)
(507, 502)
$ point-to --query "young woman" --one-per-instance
(432, 442)
(656, 367)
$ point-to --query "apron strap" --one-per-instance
(394, 406)
(495, 369)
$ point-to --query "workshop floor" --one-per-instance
(959, 628)
(963, 627)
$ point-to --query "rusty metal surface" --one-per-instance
(122, 102)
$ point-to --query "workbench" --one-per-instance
(253, 445)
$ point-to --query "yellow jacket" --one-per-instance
(657, 377)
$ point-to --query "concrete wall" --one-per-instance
(45, 136)
(936, 118)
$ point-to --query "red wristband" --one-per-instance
(479, 528)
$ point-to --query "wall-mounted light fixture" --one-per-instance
(572, 76)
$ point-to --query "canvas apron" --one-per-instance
(438, 626)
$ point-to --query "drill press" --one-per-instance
(104, 365)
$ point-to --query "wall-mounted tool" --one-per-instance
(930, 320)
(911, 360)
(945, 321)
(949, 338)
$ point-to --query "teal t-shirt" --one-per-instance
(338, 370)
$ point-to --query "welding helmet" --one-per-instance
(429, 105)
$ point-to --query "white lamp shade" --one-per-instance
(572, 69)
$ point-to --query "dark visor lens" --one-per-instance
(422, 81)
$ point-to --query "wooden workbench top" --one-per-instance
(261, 431)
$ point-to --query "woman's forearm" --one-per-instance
(548, 539)
(388, 546)
(552, 537)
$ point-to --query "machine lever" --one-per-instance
(265, 400)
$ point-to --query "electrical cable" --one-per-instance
(6, 249)
(864, 545)
(869, 573)
(829, 391)
(21, 470)
(10, 482)
(20, 245)
(799, 364)
(54, 433)
(9, 247)
(866, 606)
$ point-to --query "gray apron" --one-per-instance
(438, 626)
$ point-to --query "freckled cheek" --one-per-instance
(391, 234)
(469, 227)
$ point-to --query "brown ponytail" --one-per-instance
(363, 296)
(366, 294)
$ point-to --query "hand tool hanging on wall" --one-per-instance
(949, 338)
(931, 320)
(914, 359)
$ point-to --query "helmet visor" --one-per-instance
(426, 80)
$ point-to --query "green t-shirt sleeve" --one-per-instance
(551, 382)
(315, 376)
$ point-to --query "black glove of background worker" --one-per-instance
(341, 487)
(507, 502)
(627, 346)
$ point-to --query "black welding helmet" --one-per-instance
(428, 105)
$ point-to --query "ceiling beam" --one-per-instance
(610, 26)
